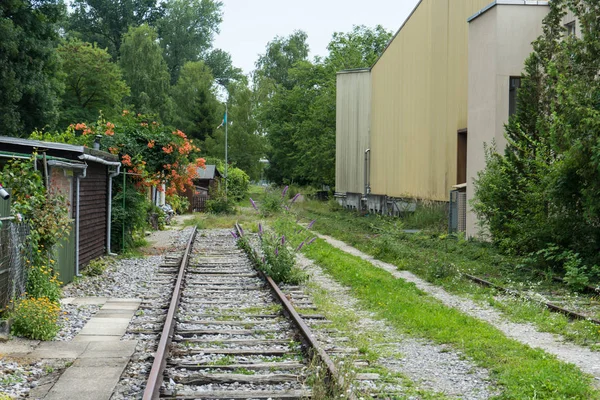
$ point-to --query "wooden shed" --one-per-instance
(83, 176)
(207, 180)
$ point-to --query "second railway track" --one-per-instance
(227, 335)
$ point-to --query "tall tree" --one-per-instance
(222, 68)
(93, 83)
(106, 21)
(245, 144)
(29, 66)
(146, 72)
(196, 104)
(297, 101)
(187, 31)
(272, 68)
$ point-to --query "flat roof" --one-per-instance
(353, 71)
(507, 3)
(38, 144)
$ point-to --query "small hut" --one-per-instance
(207, 180)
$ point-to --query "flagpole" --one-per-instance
(226, 123)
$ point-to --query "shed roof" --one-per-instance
(210, 172)
(59, 149)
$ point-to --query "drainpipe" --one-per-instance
(367, 183)
(117, 164)
(79, 176)
(108, 230)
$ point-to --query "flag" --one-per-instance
(224, 120)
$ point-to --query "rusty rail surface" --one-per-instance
(155, 378)
(550, 306)
(304, 329)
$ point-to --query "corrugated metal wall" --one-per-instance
(353, 108)
(419, 102)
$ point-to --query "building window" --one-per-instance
(515, 84)
(570, 28)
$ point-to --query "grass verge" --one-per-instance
(440, 259)
(523, 373)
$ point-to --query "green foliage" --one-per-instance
(238, 183)
(29, 66)
(219, 203)
(246, 146)
(46, 212)
(180, 204)
(302, 143)
(35, 318)
(187, 31)
(93, 83)
(222, 68)
(42, 282)
(105, 22)
(133, 218)
(273, 202)
(197, 111)
(520, 371)
(146, 71)
(544, 190)
(96, 267)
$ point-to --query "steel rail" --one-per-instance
(550, 306)
(156, 377)
(304, 329)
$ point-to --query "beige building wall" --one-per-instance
(353, 110)
(499, 42)
(419, 101)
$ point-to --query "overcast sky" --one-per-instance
(248, 25)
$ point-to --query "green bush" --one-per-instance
(180, 204)
(96, 267)
(42, 282)
(543, 191)
(218, 203)
(238, 183)
(35, 318)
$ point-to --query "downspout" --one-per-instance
(79, 176)
(109, 228)
(367, 173)
(87, 157)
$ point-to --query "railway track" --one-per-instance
(555, 303)
(229, 332)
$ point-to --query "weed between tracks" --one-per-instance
(521, 371)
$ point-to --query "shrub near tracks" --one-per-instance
(521, 371)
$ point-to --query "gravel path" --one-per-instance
(582, 357)
(432, 367)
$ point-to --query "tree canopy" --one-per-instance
(29, 66)
(94, 83)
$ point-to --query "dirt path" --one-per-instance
(582, 357)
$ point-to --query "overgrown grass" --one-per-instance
(441, 259)
(521, 371)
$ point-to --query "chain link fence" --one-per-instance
(13, 251)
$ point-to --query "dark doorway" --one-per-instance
(461, 157)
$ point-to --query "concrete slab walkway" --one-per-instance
(99, 356)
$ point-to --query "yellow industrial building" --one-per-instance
(413, 126)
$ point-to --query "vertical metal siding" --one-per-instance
(419, 102)
(353, 109)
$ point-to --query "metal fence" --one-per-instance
(13, 249)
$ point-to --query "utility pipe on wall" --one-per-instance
(109, 227)
(78, 177)
(367, 172)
